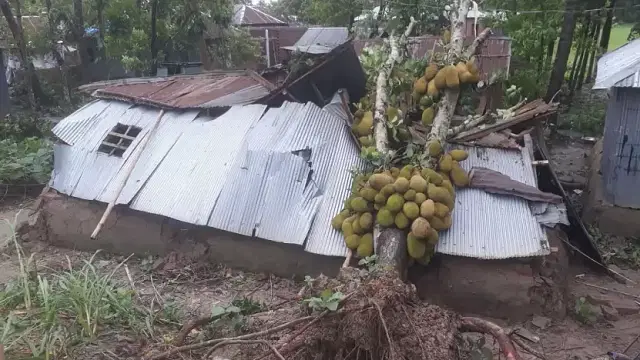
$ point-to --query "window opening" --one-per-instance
(118, 139)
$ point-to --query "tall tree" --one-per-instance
(18, 36)
(154, 37)
(78, 34)
(564, 49)
(606, 28)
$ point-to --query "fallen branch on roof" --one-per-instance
(495, 182)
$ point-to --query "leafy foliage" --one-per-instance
(25, 161)
(328, 300)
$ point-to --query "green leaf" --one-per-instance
(218, 311)
(332, 305)
(326, 293)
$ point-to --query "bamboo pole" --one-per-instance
(131, 165)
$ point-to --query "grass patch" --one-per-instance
(44, 315)
(619, 34)
(586, 114)
(618, 250)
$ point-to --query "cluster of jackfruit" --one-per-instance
(418, 200)
(436, 79)
(363, 127)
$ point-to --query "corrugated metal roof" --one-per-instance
(180, 92)
(320, 40)
(249, 15)
(277, 179)
(489, 226)
(619, 67)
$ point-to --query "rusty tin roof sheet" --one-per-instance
(210, 90)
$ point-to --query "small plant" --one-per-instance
(328, 300)
(370, 262)
(583, 312)
(248, 306)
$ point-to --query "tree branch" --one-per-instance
(471, 122)
(470, 324)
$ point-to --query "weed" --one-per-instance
(328, 300)
(618, 250)
(248, 306)
(371, 263)
(583, 312)
(586, 115)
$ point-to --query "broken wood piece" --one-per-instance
(131, 161)
(540, 163)
(497, 183)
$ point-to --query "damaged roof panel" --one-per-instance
(489, 226)
(209, 90)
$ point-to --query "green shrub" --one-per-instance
(25, 161)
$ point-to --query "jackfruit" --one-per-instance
(451, 77)
(392, 112)
(467, 78)
(365, 125)
(448, 221)
(427, 209)
(418, 183)
(378, 206)
(437, 223)
(432, 89)
(415, 247)
(446, 36)
(358, 114)
(368, 193)
(365, 248)
(426, 100)
(459, 154)
(435, 148)
(440, 80)
(337, 221)
(420, 86)
(378, 181)
(359, 204)
(425, 259)
(345, 213)
(347, 229)
(388, 190)
(430, 71)
(395, 203)
(432, 176)
(384, 217)
(420, 198)
(432, 237)
(447, 185)
(459, 177)
(352, 241)
(441, 210)
(461, 67)
(380, 198)
(355, 225)
(401, 185)
(445, 176)
(395, 171)
(420, 228)
(347, 203)
(427, 116)
(405, 172)
(471, 65)
(410, 195)
(440, 194)
(411, 210)
(366, 221)
(446, 162)
(401, 221)
(366, 140)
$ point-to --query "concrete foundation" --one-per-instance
(610, 219)
(69, 222)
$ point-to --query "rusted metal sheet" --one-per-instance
(494, 54)
(188, 92)
(246, 15)
(621, 149)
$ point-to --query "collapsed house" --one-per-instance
(229, 168)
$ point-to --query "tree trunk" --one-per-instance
(606, 29)
(154, 37)
(59, 58)
(575, 66)
(18, 35)
(551, 47)
(564, 48)
(592, 55)
(78, 33)
(100, 12)
(584, 59)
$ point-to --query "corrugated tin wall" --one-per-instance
(620, 157)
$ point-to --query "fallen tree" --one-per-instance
(373, 313)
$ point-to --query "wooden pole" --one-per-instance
(131, 165)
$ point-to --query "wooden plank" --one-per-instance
(116, 146)
(126, 137)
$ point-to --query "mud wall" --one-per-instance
(69, 222)
(513, 289)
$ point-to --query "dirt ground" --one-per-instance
(599, 321)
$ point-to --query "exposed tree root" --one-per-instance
(469, 324)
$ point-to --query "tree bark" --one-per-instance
(18, 35)
(592, 55)
(575, 66)
(59, 58)
(100, 5)
(564, 48)
(606, 28)
(584, 59)
(154, 37)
